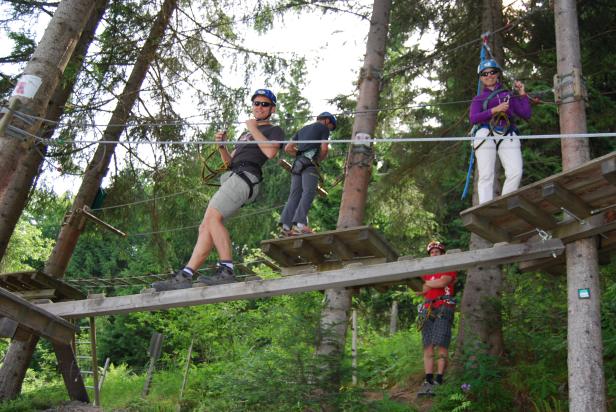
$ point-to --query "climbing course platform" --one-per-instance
(21, 318)
(334, 246)
(33, 285)
(571, 205)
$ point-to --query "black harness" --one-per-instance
(242, 174)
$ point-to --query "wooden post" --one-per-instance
(97, 400)
(354, 346)
(584, 340)
(186, 368)
(70, 372)
(156, 344)
(335, 314)
(393, 318)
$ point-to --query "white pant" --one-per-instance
(510, 156)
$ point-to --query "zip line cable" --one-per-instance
(413, 139)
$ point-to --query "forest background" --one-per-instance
(258, 355)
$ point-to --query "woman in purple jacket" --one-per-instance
(493, 112)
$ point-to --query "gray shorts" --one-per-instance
(233, 193)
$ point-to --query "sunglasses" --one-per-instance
(262, 104)
(490, 73)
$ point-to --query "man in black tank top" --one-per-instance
(239, 186)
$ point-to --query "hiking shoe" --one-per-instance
(304, 230)
(179, 280)
(426, 389)
(286, 232)
(223, 274)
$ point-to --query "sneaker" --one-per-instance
(304, 230)
(179, 280)
(223, 274)
(426, 389)
(286, 232)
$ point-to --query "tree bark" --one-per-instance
(20, 353)
(97, 168)
(47, 63)
(584, 340)
(335, 314)
(480, 321)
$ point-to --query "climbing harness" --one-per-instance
(425, 311)
(212, 173)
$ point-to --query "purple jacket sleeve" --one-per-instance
(477, 114)
(520, 107)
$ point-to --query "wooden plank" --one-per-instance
(8, 327)
(379, 243)
(530, 213)
(37, 294)
(33, 317)
(484, 228)
(338, 247)
(276, 253)
(303, 248)
(608, 170)
(63, 289)
(70, 372)
(600, 223)
(562, 198)
(359, 275)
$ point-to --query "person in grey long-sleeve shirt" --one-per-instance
(304, 173)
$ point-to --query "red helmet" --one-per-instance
(435, 244)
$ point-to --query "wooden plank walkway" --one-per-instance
(561, 205)
(332, 246)
(354, 275)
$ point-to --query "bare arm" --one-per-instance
(291, 149)
(269, 149)
(323, 151)
(222, 149)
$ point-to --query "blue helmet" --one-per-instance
(488, 64)
(265, 93)
(328, 115)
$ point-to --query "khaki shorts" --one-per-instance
(233, 193)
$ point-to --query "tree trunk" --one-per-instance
(335, 314)
(13, 370)
(20, 353)
(97, 168)
(584, 340)
(480, 321)
(393, 318)
(68, 238)
(47, 65)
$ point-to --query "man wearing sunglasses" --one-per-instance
(239, 186)
(493, 113)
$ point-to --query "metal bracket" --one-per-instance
(570, 213)
(570, 87)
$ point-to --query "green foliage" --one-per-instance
(27, 249)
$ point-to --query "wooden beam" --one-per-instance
(484, 228)
(302, 247)
(359, 275)
(561, 198)
(608, 170)
(37, 294)
(600, 223)
(382, 246)
(276, 253)
(530, 213)
(8, 327)
(70, 372)
(339, 248)
(33, 317)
